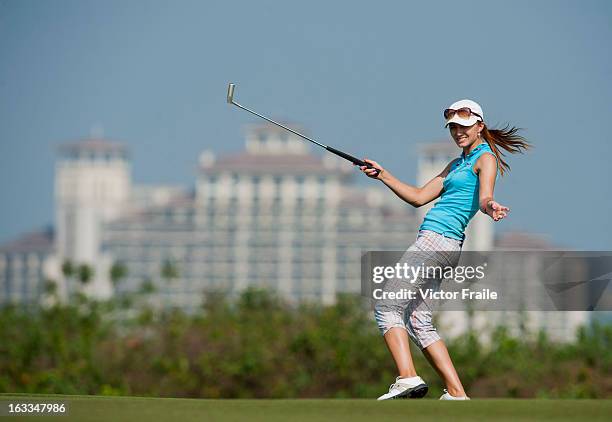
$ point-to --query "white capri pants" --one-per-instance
(430, 248)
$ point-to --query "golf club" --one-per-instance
(357, 161)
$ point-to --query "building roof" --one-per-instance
(266, 128)
(35, 241)
(267, 163)
(271, 155)
(92, 145)
(149, 213)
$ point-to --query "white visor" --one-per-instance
(463, 122)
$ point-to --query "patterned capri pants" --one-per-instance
(431, 249)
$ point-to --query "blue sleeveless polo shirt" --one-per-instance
(459, 200)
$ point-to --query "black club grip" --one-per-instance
(349, 157)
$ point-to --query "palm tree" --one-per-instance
(118, 272)
(85, 273)
(50, 287)
(169, 270)
(67, 269)
(147, 286)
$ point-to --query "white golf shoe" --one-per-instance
(447, 396)
(412, 388)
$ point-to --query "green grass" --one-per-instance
(99, 408)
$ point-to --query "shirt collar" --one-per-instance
(478, 148)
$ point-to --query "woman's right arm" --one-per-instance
(415, 196)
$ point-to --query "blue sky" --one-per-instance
(371, 78)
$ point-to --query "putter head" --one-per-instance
(230, 93)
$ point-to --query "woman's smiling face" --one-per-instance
(465, 136)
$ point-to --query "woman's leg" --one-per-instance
(390, 316)
(444, 252)
(422, 331)
(398, 344)
(437, 355)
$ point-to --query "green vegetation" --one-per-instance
(260, 347)
(118, 272)
(90, 409)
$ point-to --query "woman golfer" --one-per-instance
(464, 186)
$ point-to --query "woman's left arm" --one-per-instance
(486, 168)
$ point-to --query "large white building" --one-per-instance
(273, 216)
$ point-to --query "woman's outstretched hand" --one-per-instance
(374, 173)
(497, 211)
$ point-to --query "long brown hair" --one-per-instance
(506, 138)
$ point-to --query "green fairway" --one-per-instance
(98, 408)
